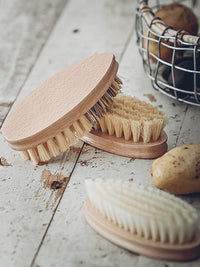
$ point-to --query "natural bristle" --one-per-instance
(144, 211)
(61, 141)
(33, 155)
(53, 148)
(25, 155)
(43, 153)
(133, 119)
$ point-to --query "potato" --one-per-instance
(178, 170)
(165, 52)
(177, 16)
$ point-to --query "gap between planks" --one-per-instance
(9, 105)
(181, 126)
(46, 231)
(54, 211)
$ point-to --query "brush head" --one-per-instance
(82, 89)
(130, 128)
(146, 211)
(132, 119)
(143, 219)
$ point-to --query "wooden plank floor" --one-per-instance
(40, 226)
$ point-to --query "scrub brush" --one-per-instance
(134, 127)
(63, 108)
(143, 219)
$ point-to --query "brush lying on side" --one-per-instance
(63, 108)
(131, 118)
(143, 219)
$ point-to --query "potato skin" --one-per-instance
(178, 170)
(165, 52)
(177, 16)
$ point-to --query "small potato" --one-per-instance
(165, 52)
(179, 17)
(178, 170)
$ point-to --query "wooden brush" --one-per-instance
(134, 128)
(63, 108)
(143, 219)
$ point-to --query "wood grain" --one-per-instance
(59, 101)
(29, 208)
(24, 30)
(35, 229)
(125, 148)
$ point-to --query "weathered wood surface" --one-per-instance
(40, 225)
(24, 30)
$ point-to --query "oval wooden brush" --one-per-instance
(63, 108)
(131, 128)
(143, 219)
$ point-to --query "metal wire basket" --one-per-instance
(163, 73)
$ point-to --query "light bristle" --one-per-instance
(136, 130)
(157, 128)
(85, 123)
(102, 124)
(43, 153)
(140, 121)
(33, 155)
(118, 127)
(109, 124)
(144, 211)
(53, 148)
(147, 130)
(68, 136)
(25, 155)
(61, 141)
(126, 129)
(78, 129)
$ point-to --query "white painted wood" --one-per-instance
(26, 207)
(190, 130)
(69, 230)
(37, 226)
(84, 28)
(24, 29)
(136, 83)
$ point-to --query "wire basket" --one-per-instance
(165, 74)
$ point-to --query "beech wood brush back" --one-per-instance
(62, 108)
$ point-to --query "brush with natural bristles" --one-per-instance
(63, 108)
(131, 118)
(143, 219)
(131, 128)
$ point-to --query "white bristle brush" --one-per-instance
(143, 219)
(63, 108)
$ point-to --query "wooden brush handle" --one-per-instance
(138, 244)
(119, 146)
(59, 101)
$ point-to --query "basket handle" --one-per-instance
(158, 26)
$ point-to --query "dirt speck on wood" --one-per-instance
(3, 162)
(75, 149)
(55, 182)
(151, 97)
